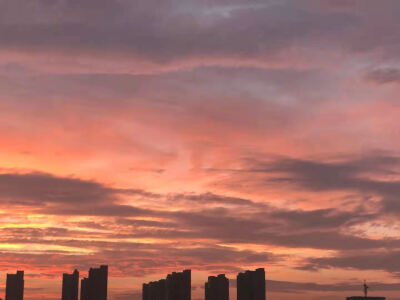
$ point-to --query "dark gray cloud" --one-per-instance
(109, 210)
(387, 260)
(40, 188)
(138, 259)
(223, 255)
(211, 198)
(343, 173)
(230, 229)
(229, 220)
(382, 76)
(268, 226)
(65, 195)
(165, 31)
(322, 218)
(369, 175)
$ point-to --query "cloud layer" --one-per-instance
(218, 135)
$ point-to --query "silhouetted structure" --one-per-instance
(155, 290)
(251, 285)
(70, 286)
(15, 286)
(95, 286)
(217, 288)
(84, 289)
(178, 285)
(365, 298)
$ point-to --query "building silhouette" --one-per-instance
(251, 285)
(217, 288)
(84, 289)
(178, 285)
(15, 286)
(155, 290)
(94, 287)
(70, 286)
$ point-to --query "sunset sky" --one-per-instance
(216, 135)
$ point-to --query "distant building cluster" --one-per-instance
(177, 286)
(250, 285)
(94, 287)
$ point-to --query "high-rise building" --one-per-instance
(15, 286)
(217, 288)
(84, 289)
(178, 285)
(94, 287)
(70, 286)
(251, 285)
(154, 290)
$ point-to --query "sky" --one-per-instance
(216, 135)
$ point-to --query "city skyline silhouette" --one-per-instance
(250, 285)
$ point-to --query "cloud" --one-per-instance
(37, 188)
(112, 230)
(134, 259)
(296, 287)
(197, 32)
(371, 175)
(177, 30)
(385, 260)
(64, 195)
(325, 175)
(226, 117)
(382, 76)
(211, 198)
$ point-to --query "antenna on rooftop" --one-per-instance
(366, 287)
